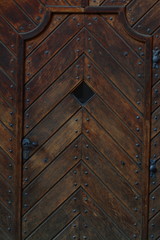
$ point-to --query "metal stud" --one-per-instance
(46, 52)
(74, 210)
(86, 184)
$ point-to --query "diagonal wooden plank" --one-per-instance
(7, 196)
(155, 123)
(53, 69)
(52, 44)
(155, 151)
(105, 144)
(7, 167)
(133, 10)
(21, 22)
(7, 89)
(33, 43)
(156, 96)
(114, 44)
(52, 148)
(154, 226)
(54, 94)
(71, 231)
(134, 44)
(3, 235)
(121, 166)
(53, 121)
(53, 199)
(8, 61)
(6, 222)
(114, 126)
(111, 68)
(8, 35)
(103, 87)
(114, 181)
(91, 233)
(109, 204)
(59, 219)
(150, 21)
(34, 10)
(96, 215)
(46, 180)
(7, 118)
(154, 202)
(7, 143)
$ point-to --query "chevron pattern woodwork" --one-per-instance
(85, 169)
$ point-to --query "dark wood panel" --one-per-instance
(109, 176)
(111, 151)
(103, 87)
(32, 43)
(46, 180)
(53, 121)
(114, 71)
(53, 147)
(8, 89)
(34, 9)
(62, 190)
(8, 35)
(53, 69)
(95, 214)
(121, 134)
(137, 8)
(54, 94)
(104, 198)
(8, 61)
(54, 42)
(150, 22)
(60, 218)
(18, 19)
(114, 44)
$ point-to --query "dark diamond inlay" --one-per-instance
(83, 93)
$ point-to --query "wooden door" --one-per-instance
(83, 119)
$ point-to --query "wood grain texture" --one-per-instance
(22, 16)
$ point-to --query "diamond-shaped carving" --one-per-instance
(83, 93)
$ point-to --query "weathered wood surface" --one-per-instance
(46, 105)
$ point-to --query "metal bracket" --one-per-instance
(156, 58)
(27, 146)
(153, 168)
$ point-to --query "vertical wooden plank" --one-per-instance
(19, 134)
(147, 131)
